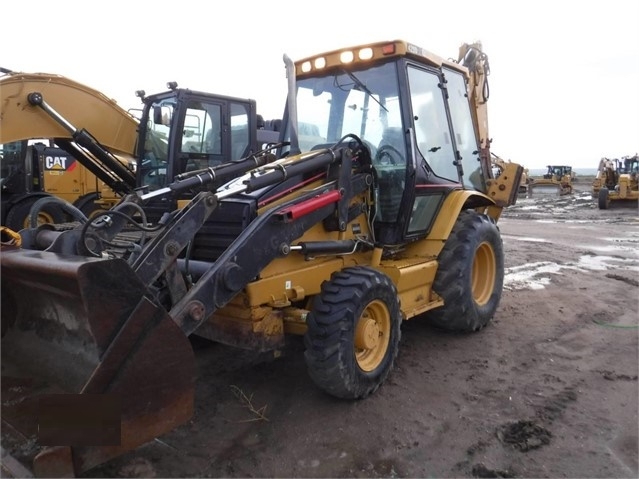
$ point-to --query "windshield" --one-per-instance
(364, 103)
(367, 103)
(631, 165)
(153, 167)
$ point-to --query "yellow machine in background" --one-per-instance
(616, 180)
(557, 181)
(35, 168)
(391, 215)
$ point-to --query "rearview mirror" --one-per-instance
(162, 115)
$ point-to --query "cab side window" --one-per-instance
(202, 129)
(465, 139)
(431, 123)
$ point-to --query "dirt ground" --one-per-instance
(548, 389)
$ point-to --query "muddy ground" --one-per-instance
(548, 389)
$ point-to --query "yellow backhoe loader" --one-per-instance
(616, 180)
(380, 209)
(557, 181)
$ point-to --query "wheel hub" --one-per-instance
(367, 334)
(483, 273)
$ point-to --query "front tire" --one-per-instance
(353, 333)
(470, 276)
(603, 200)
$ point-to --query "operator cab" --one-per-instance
(411, 113)
(196, 130)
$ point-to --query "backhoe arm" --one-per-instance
(473, 58)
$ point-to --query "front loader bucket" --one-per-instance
(92, 367)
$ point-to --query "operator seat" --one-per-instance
(392, 137)
(390, 164)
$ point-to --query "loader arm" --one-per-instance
(111, 308)
(268, 237)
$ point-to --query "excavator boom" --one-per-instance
(116, 128)
(472, 56)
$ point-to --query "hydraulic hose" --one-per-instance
(66, 206)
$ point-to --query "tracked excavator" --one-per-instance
(376, 206)
(616, 181)
(94, 147)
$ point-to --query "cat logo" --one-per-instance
(55, 162)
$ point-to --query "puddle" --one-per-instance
(538, 275)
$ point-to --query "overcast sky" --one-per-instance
(564, 83)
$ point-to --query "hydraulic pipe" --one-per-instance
(86, 140)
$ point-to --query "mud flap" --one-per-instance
(84, 341)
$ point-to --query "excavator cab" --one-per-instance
(185, 131)
(195, 130)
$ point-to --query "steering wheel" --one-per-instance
(355, 145)
(388, 155)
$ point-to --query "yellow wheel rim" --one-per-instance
(483, 273)
(43, 218)
(96, 213)
(372, 335)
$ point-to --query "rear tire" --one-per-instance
(18, 216)
(470, 276)
(88, 206)
(603, 200)
(353, 333)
